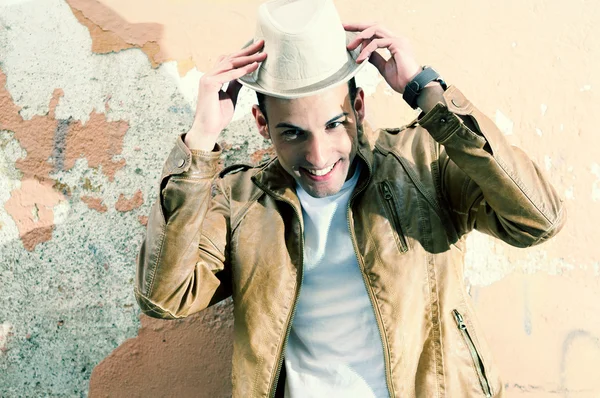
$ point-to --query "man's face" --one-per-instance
(315, 137)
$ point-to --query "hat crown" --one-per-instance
(304, 39)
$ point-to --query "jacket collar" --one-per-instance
(275, 181)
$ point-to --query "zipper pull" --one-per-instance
(459, 320)
(386, 192)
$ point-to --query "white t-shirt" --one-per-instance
(334, 348)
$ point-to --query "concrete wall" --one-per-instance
(92, 94)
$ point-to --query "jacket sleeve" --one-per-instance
(488, 184)
(181, 264)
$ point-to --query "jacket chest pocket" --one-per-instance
(390, 205)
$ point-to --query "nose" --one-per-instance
(318, 150)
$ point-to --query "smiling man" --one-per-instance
(314, 147)
(344, 259)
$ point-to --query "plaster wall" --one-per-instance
(92, 95)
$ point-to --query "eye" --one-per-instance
(333, 125)
(291, 134)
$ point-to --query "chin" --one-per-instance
(323, 190)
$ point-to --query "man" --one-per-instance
(344, 260)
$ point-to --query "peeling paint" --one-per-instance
(33, 197)
(144, 36)
(147, 57)
(36, 135)
(94, 203)
(123, 204)
(262, 154)
(97, 141)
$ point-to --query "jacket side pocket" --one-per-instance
(391, 210)
(477, 360)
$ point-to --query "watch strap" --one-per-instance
(418, 83)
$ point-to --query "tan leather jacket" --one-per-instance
(424, 187)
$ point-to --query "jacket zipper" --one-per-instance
(477, 361)
(368, 287)
(391, 207)
(277, 373)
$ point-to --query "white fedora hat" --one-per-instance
(305, 43)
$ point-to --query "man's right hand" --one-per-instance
(215, 107)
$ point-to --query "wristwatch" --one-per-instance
(418, 83)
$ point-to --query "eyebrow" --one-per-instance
(291, 126)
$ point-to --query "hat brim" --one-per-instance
(345, 73)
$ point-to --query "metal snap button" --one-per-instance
(180, 163)
(443, 120)
(455, 103)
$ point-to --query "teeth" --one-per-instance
(322, 172)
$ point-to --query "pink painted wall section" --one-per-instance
(92, 95)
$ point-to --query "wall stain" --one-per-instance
(123, 204)
(107, 33)
(592, 343)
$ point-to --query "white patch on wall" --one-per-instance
(388, 90)
(486, 261)
(570, 193)
(61, 212)
(538, 132)
(369, 78)
(5, 331)
(13, 2)
(548, 162)
(504, 123)
(188, 84)
(10, 179)
(596, 185)
(586, 87)
(543, 109)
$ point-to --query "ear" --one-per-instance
(261, 122)
(359, 105)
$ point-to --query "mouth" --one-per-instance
(320, 175)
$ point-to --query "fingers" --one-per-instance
(374, 45)
(357, 27)
(252, 48)
(236, 73)
(233, 66)
(229, 63)
(368, 31)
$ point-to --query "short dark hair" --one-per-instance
(352, 89)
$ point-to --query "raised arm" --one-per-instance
(182, 265)
(488, 184)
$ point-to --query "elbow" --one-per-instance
(152, 309)
(555, 227)
(532, 237)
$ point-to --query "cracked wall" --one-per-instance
(92, 94)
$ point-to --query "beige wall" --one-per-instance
(530, 65)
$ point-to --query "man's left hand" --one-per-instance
(402, 66)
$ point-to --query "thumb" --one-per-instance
(379, 62)
(233, 89)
